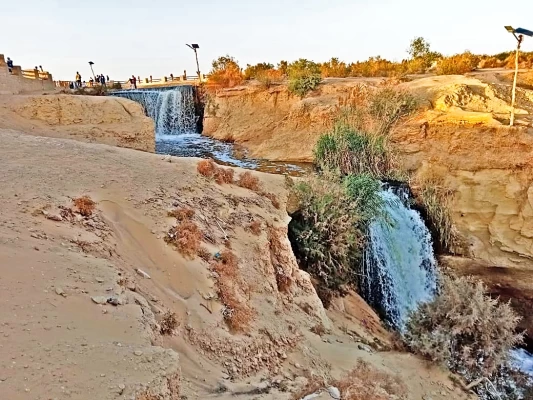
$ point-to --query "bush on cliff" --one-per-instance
(351, 152)
(225, 72)
(458, 64)
(464, 329)
(325, 232)
(304, 76)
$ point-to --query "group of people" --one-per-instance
(99, 80)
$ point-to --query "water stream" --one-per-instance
(400, 270)
(173, 111)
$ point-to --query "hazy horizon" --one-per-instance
(148, 38)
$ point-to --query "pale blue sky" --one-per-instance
(142, 37)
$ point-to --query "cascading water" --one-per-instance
(400, 269)
(172, 109)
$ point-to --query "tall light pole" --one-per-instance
(519, 36)
(195, 47)
(94, 76)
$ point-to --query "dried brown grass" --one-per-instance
(182, 213)
(255, 227)
(272, 197)
(209, 169)
(187, 237)
(168, 323)
(248, 181)
(236, 312)
(314, 384)
(204, 254)
(365, 382)
(84, 205)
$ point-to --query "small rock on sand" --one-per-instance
(334, 393)
(138, 352)
(99, 299)
(60, 292)
(142, 273)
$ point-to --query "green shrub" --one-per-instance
(225, 72)
(304, 84)
(304, 76)
(325, 234)
(364, 191)
(351, 152)
(464, 329)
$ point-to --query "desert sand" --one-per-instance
(79, 321)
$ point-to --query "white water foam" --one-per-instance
(400, 270)
(172, 110)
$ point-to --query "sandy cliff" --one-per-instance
(458, 139)
(114, 121)
(81, 320)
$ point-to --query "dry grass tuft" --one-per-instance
(236, 313)
(206, 168)
(318, 329)
(182, 213)
(365, 382)
(255, 227)
(209, 169)
(224, 175)
(187, 237)
(168, 323)
(272, 197)
(314, 384)
(248, 181)
(204, 254)
(84, 205)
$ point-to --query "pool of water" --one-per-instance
(231, 154)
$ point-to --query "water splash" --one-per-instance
(172, 110)
(400, 270)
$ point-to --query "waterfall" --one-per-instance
(171, 109)
(400, 270)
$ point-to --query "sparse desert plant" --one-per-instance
(84, 205)
(252, 71)
(435, 201)
(206, 168)
(458, 64)
(255, 227)
(209, 169)
(365, 382)
(182, 213)
(269, 77)
(388, 106)
(325, 234)
(187, 238)
(464, 329)
(248, 181)
(273, 199)
(168, 323)
(225, 72)
(236, 312)
(204, 254)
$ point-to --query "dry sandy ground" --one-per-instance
(110, 120)
(56, 342)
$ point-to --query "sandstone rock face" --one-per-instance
(109, 120)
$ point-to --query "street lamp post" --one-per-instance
(94, 76)
(195, 47)
(519, 36)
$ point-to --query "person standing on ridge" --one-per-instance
(78, 80)
(10, 65)
(133, 82)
